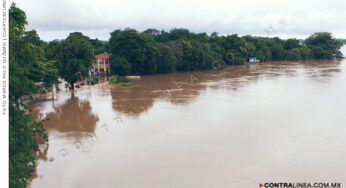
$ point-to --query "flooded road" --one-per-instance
(272, 122)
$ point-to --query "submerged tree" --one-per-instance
(323, 45)
(74, 57)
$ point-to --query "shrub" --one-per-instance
(118, 79)
(94, 80)
(113, 80)
(122, 79)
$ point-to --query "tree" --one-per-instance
(153, 51)
(53, 50)
(323, 45)
(291, 43)
(137, 48)
(120, 66)
(176, 34)
(33, 38)
(98, 46)
(319, 53)
(74, 57)
(153, 32)
(276, 47)
(49, 73)
(165, 59)
(25, 59)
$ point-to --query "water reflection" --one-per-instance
(74, 118)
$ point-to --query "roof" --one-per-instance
(252, 58)
(103, 56)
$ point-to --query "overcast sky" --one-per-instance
(55, 19)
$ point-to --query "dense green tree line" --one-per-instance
(153, 51)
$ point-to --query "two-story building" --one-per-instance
(101, 66)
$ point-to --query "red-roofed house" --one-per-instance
(102, 64)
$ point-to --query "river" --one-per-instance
(238, 127)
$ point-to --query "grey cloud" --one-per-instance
(55, 19)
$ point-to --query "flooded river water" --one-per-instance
(238, 127)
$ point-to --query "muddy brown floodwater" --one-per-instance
(272, 122)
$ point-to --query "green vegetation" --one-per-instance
(94, 80)
(118, 79)
(125, 84)
(120, 66)
(73, 56)
(153, 51)
(323, 46)
(122, 79)
(112, 80)
(27, 66)
(98, 45)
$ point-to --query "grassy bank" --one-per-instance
(120, 80)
